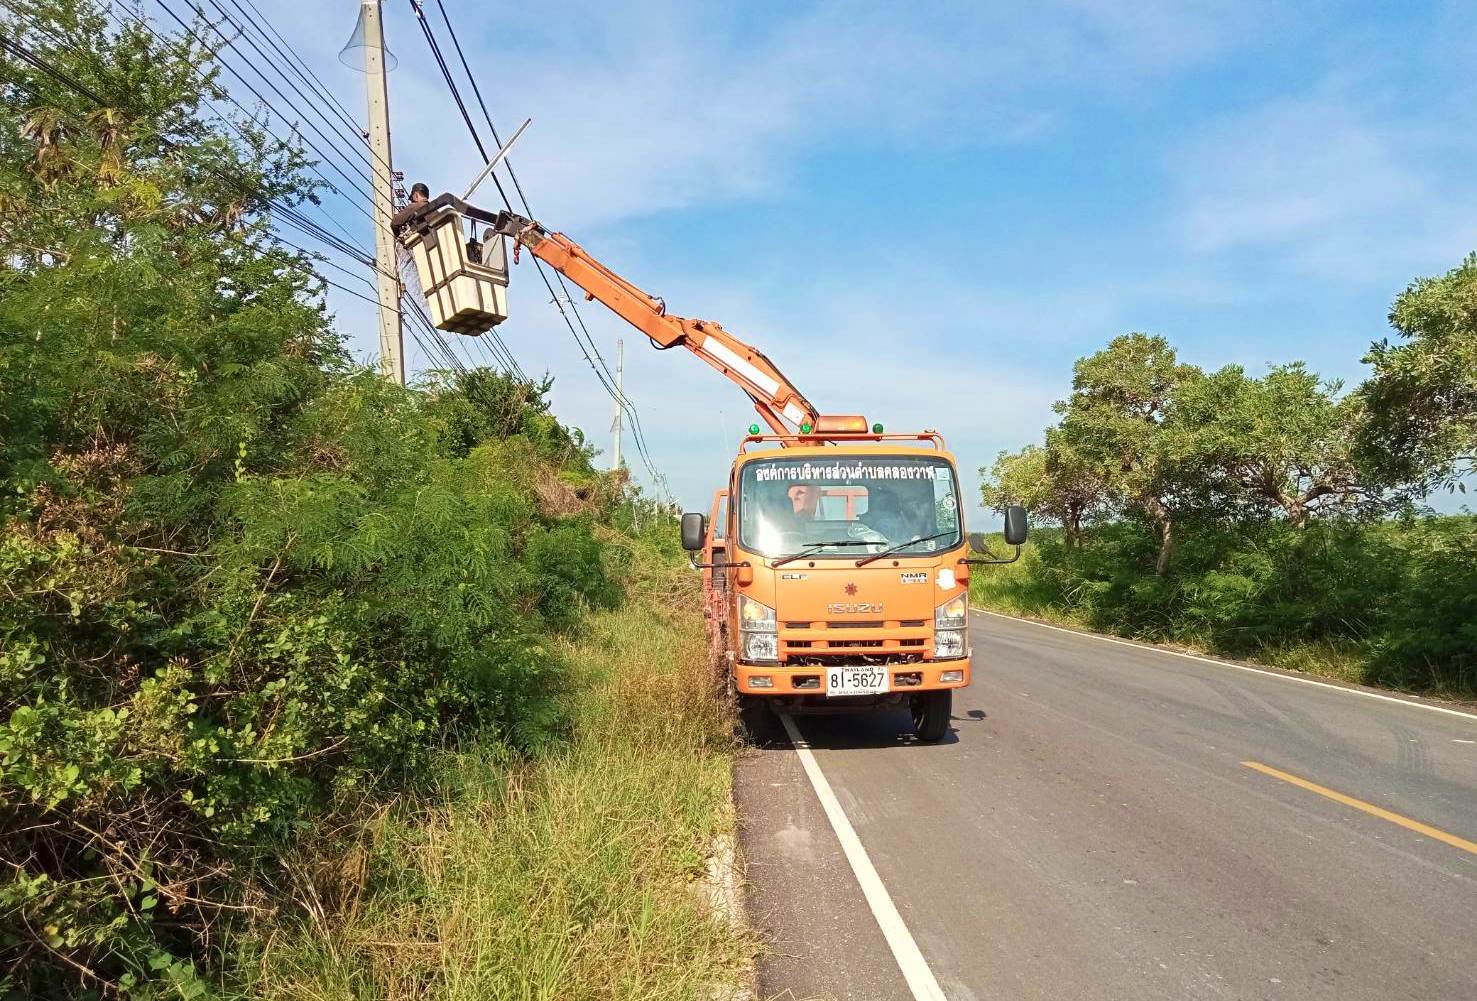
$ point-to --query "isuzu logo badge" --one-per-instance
(854, 607)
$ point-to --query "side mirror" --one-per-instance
(978, 543)
(694, 531)
(1015, 525)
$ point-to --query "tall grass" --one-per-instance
(574, 875)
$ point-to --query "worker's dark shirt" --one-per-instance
(398, 219)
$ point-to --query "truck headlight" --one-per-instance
(948, 643)
(952, 614)
(759, 639)
(761, 648)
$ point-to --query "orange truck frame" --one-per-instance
(835, 563)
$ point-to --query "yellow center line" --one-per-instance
(1369, 808)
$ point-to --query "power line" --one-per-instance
(587, 346)
(303, 69)
(499, 356)
(30, 57)
(296, 219)
(219, 58)
(449, 352)
(357, 143)
(637, 431)
(226, 120)
(26, 54)
(293, 216)
(300, 69)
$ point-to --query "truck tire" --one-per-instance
(931, 714)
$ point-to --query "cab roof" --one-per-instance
(831, 446)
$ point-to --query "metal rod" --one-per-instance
(497, 159)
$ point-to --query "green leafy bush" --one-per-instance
(246, 586)
(1399, 596)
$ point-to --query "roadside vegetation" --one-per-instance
(1276, 516)
(578, 873)
(309, 684)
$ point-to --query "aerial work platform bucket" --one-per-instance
(465, 280)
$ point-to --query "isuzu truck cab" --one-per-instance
(836, 573)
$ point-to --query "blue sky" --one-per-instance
(927, 212)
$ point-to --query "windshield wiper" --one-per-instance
(812, 547)
(901, 546)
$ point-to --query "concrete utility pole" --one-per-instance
(620, 396)
(392, 335)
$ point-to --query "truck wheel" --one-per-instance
(931, 714)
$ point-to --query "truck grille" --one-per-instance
(868, 638)
(820, 660)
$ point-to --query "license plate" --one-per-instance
(856, 681)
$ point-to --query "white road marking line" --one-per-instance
(904, 950)
(1458, 740)
(1227, 663)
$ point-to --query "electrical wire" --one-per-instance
(231, 124)
(294, 217)
(220, 59)
(356, 142)
(637, 431)
(305, 73)
(286, 55)
(442, 351)
(587, 346)
(30, 57)
(509, 363)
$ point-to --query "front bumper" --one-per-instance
(809, 680)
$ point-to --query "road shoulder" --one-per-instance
(820, 938)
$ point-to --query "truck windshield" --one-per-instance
(829, 506)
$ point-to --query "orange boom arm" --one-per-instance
(774, 396)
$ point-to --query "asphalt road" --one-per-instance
(1090, 830)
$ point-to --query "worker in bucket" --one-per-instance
(419, 195)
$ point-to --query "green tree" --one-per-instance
(1421, 426)
(1274, 495)
(1282, 444)
(1052, 482)
(1119, 421)
(247, 586)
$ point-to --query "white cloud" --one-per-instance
(1328, 184)
(653, 105)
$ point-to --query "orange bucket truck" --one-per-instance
(835, 560)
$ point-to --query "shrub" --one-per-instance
(1402, 595)
(247, 586)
